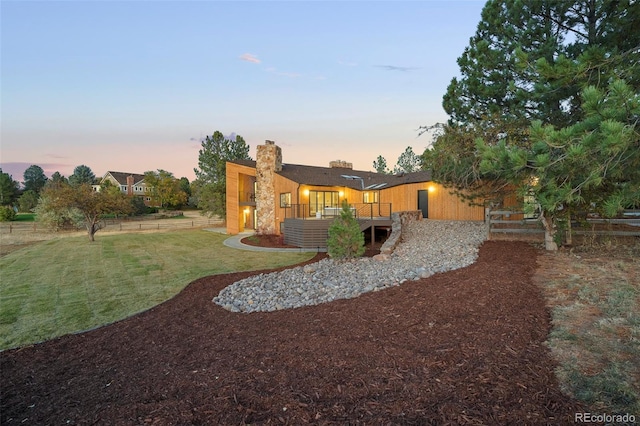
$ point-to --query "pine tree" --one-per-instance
(346, 241)
(211, 177)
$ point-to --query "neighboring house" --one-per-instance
(301, 201)
(129, 183)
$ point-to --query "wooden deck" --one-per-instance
(313, 233)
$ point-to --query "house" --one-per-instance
(130, 183)
(272, 197)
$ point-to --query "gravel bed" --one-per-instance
(427, 247)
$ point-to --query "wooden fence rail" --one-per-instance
(514, 223)
(115, 225)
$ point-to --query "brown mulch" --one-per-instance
(463, 347)
(266, 241)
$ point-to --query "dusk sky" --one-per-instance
(133, 86)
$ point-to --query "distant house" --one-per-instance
(299, 201)
(129, 183)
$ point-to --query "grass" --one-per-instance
(25, 217)
(68, 285)
(596, 329)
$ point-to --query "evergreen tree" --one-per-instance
(408, 162)
(528, 62)
(595, 162)
(211, 172)
(57, 178)
(380, 165)
(520, 64)
(82, 174)
(8, 189)
(34, 179)
(345, 241)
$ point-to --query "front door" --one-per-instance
(423, 202)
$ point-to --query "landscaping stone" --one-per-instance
(426, 247)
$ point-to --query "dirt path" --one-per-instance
(464, 347)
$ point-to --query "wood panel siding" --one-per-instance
(442, 204)
(236, 176)
(310, 233)
(445, 205)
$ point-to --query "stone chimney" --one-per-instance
(339, 164)
(130, 183)
(268, 162)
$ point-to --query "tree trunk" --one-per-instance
(91, 230)
(549, 232)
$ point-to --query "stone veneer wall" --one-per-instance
(268, 162)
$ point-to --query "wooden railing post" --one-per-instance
(487, 221)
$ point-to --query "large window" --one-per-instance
(320, 200)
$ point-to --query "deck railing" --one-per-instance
(360, 211)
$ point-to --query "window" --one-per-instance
(285, 199)
(370, 197)
(320, 200)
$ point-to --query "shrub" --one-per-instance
(7, 214)
(28, 201)
(345, 241)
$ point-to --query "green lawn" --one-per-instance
(69, 284)
(25, 217)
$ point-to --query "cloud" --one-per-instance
(396, 68)
(250, 58)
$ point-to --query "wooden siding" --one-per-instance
(236, 176)
(442, 204)
(310, 233)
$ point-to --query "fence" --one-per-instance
(142, 223)
(514, 223)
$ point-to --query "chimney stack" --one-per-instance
(339, 164)
(130, 183)
(268, 163)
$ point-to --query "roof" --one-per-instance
(355, 179)
(121, 177)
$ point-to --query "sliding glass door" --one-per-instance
(319, 200)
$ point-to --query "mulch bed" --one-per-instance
(266, 241)
(463, 347)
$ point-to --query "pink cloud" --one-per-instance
(250, 58)
(16, 169)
